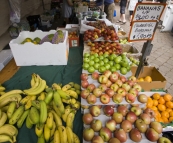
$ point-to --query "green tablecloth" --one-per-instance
(52, 74)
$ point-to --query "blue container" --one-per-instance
(115, 13)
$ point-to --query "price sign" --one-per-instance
(142, 30)
(148, 11)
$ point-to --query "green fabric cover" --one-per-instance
(52, 74)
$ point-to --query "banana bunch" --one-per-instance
(2, 90)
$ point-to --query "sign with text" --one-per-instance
(148, 11)
(142, 30)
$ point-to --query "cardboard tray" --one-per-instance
(159, 81)
(29, 54)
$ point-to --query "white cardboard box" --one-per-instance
(29, 54)
(5, 57)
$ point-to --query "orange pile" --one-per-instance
(162, 106)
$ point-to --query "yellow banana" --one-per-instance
(57, 119)
(61, 108)
(57, 137)
(69, 135)
(25, 100)
(70, 119)
(2, 93)
(29, 123)
(33, 79)
(76, 138)
(46, 133)
(63, 94)
(42, 96)
(66, 87)
(72, 89)
(43, 112)
(9, 130)
(78, 91)
(11, 109)
(57, 98)
(0, 113)
(3, 119)
(41, 139)
(12, 92)
(71, 84)
(29, 102)
(77, 86)
(72, 94)
(49, 121)
(56, 86)
(2, 88)
(10, 98)
(73, 101)
(5, 138)
(35, 103)
(34, 115)
(16, 115)
(22, 118)
(66, 112)
(66, 101)
(39, 129)
(53, 130)
(63, 134)
(49, 97)
(76, 105)
(4, 108)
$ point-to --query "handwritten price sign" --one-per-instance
(142, 30)
(148, 11)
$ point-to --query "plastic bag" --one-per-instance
(15, 14)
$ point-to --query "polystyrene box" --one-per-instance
(5, 57)
(29, 54)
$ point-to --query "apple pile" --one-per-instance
(101, 63)
(72, 34)
(111, 86)
(97, 24)
(104, 46)
(120, 124)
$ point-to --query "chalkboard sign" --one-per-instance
(142, 30)
(148, 11)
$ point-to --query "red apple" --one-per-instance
(108, 83)
(126, 86)
(113, 77)
(132, 78)
(114, 140)
(107, 73)
(114, 87)
(129, 82)
(121, 91)
(84, 76)
(140, 125)
(121, 135)
(87, 118)
(105, 134)
(97, 92)
(84, 83)
(126, 126)
(163, 140)
(122, 109)
(117, 98)
(88, 134)
(96, 125)
(118, 117)
(91, 87)
(156, 126)
(95, 111)
(104, 98)
(103, 79)
(146, 118)
(137, 87)
(133, 91)
(142, 98)
(91, 99)
(130, 98)
(108, 110)
(84, 93)
(137, 110)
(152, 135)
(116, 73)
(119, 82)
(103, 87)
(135, 135)
(150, 112)
(110, 92)
(131, 116)
(97, 139)
(95, 75)
(111, 125)
(122, 78)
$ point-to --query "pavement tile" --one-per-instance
(168, 65)
(168, 85)
(170, 91)
(164, 69)
(170, 62)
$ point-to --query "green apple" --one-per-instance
(125, 64)
(117, 66)
(107, 66)
(105, 55)
(86, 55)
(96, 66)
(101, 57)
(128, 68)
(96, 60)
(112, 57)
(101, 63)
(91, 57)
(86, 60)
(91, 69)
(123, 70)
(118, 59)
(96, 55)
(105, 60)
(111, 63)
(102, 69)
(163, 140)
(85, 66)
(113, 69)
(91, 63)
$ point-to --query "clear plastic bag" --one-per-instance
(15, 14)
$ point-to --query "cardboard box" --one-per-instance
(158, 80)
(29, 54)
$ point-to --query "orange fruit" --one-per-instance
(170, 119)
(148, 79)
(157, 113)
(161, 107)
(169, 104)
(165, 120)
(161, 120)
(156, 96)
(155, 102)
(161, 100)
(165, 114)
(154, 108)
(167, 97)
(171, 113)
(149, 102)
(168, 110)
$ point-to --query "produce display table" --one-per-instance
(52, 74)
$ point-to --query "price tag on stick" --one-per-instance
(142, 30)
